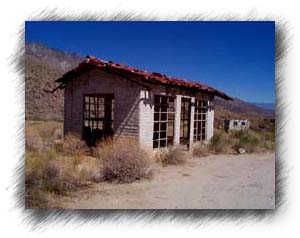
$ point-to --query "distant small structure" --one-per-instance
(236, 125)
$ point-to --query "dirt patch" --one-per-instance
(222, 181)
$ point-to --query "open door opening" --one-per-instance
(185, 120)
(98, 117)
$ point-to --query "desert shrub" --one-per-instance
(52, 173)
(249, 140)
(171, 156)
(89, 169)
(53, 165)
(61, 177)
(269, 140)
(200, 150)
(73, 145)
(220, 143)
(123, 161)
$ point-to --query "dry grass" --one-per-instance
(42, 135)
(251, 141)
(200, 150)
(171, 156)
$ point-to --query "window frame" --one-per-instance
(98, 115)
(200, 120)
(163, 121)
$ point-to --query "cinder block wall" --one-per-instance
(126, 107)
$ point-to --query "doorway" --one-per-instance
(185, 119)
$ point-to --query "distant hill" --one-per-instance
(270, 106)
(43, 65)
(52, 58)
(242, 107)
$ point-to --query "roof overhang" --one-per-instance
(143, 76)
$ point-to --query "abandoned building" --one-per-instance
(236, 125)
(105, 99)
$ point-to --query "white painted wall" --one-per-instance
(210, 123)
(177, 119)
(146, 118)
(192, 122)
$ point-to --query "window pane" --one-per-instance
(164, 107)
(157, 99)
(163, 135)
(170, 129)
(163, 116)
(171, 106)
(156, 116)
(171, 116)
(155, 135)
(156, 126)
(163, 143)
(163, 126)
(164, 100)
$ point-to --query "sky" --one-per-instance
(237, 58)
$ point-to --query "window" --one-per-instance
(97, 117)
(163, 129)
(200, 120)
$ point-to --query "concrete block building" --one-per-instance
(105, 99)
(236, 125)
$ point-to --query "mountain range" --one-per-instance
(43, 65)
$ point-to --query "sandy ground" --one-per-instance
(214, 182)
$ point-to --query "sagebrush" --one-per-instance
(123, 161)
(57, 166)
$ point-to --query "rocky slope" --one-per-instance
(42, 67)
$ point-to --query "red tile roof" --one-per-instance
(153, 77)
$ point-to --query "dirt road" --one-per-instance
(214, 182)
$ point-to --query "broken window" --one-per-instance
(164, 115)
(200, 120)
(97, 117)
(185, 120)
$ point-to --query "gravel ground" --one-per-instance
(215, 182)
